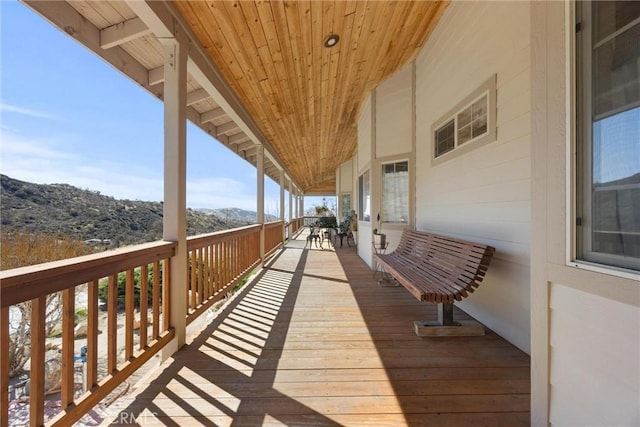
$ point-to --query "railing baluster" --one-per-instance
(192, 287)
(166, 289)
(218, 266)
(112, 324)
(92, 335)
(144, 310)
(4, 367)
(211, 271)
(68, 347)
(36, 386)
(128, 319)
(200, 275)
(155, 300)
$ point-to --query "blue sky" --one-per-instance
(69, 117)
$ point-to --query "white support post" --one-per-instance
(282, 203)
(282, 195)
(260, 185)
(290, 200)
(175, 183)
(301, 203)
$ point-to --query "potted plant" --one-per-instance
(379, 239)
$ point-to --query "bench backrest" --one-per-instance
(455, 264)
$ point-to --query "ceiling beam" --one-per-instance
(227, 128)
(123, 32)
(238, 138)
(65, 17)
(165, 21)
(244, 146)
(156, 75)
(211, 115)
(196, 96)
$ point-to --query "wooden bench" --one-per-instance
(438, 269)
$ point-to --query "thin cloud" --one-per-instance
(44, 161)
(8, 108)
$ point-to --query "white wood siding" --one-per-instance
(585, 320)
(364, 137)
(346, 178)
(393, 114)
(595, 365)
(483, 195)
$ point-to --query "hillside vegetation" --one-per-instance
(74, 213)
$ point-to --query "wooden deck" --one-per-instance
(315, 341)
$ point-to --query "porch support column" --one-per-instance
(282, 202)
(282, 183)
(301, 202)
(175, 182)
(290, 200)
(260, 186)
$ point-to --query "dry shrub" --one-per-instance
(20, 250)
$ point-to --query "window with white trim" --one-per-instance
(469, 125)
(364, 192)
(395, 192)
(608, 133)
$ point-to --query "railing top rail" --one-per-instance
(273, 223)
(25, 283)
(202, 239)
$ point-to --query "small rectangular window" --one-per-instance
(395, 192)
(470, 124)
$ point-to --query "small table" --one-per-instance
(385, 278)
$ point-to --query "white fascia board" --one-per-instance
(123, 32)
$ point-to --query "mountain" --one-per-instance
(236, 214)
(64, 210)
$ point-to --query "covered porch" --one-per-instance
(314, 340)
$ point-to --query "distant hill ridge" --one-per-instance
(64, 210)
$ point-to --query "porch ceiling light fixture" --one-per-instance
(331, 40)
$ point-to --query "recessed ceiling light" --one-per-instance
(332, 40)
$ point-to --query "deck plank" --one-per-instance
(315, 341)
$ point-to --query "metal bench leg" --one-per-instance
(446, 325)
(445, 314)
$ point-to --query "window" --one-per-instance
(364, 207)
(395, 192)
(608, 133)
(470, 124)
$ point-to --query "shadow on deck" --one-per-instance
(315, 341)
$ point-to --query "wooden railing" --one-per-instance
(294, 225)
(109, 271)
(217, 262)
(273, 236)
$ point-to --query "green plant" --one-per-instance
(327, 222)
(103, 287)
(379, 229)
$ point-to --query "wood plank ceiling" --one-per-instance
(305, 97)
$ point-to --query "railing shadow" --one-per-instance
(226, 374)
